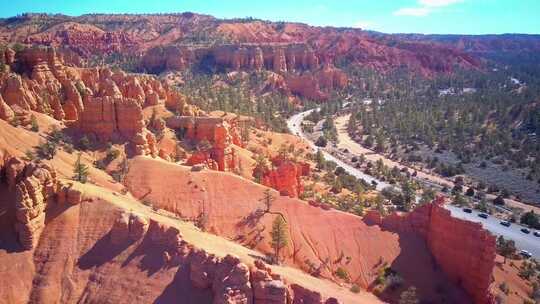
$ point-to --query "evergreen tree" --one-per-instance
(80, 170)
(267, 199)
(409, 194)
(279, 236)
(506, 248)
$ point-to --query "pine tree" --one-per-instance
(409, 194)
(267, 199)
(80, 170)
(279, 236)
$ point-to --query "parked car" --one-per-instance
(525, 230)
(525, 254)
(467, 210)
(483, 215)
(536, 233)
(505, 223)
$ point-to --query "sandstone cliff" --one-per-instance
(464, 250)
(36, 190)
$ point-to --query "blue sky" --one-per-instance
(391, 16)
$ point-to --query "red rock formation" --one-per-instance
(286, 176)
(6, 113)
(217, 132)
(35, 187)
(317, 85)
(97, 101)
(106, 116)
(463, 250)
(84, 39)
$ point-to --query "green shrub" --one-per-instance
(355, 288)
(34, 123)
(342, 274)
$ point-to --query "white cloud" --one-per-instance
(438, 3)
(425, 7)
(413, 11)
(363, 24)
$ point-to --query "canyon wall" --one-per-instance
(464, 250)
(308, 74)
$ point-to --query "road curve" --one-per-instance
(523, 241)
(294, 125)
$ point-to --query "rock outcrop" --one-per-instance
(285, 176)
(35, 186)
(464, 250)
(228, 278)
(6, 113)
(130, 227)
(107, 104)
(220, 135)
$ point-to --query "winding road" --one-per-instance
(524, 241)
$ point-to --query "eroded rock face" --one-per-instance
(107, 116)
(285, 176)
(6, 113)
(132, 227)
(305, 75)
(268, 288)
(85, 39)
(277, 57)
(217, 132)
(98, 101)
(35, 186)
(464, 251)
(318, 84)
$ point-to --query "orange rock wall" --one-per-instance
(464, 251)
(314, 82)
(286, 177)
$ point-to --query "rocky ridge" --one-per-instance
(229, 279)
(99, 102)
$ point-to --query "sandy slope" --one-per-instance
(221, 247)
(15, 141)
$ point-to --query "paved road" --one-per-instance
(523, 241)
(528, 242)
(294, 126)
